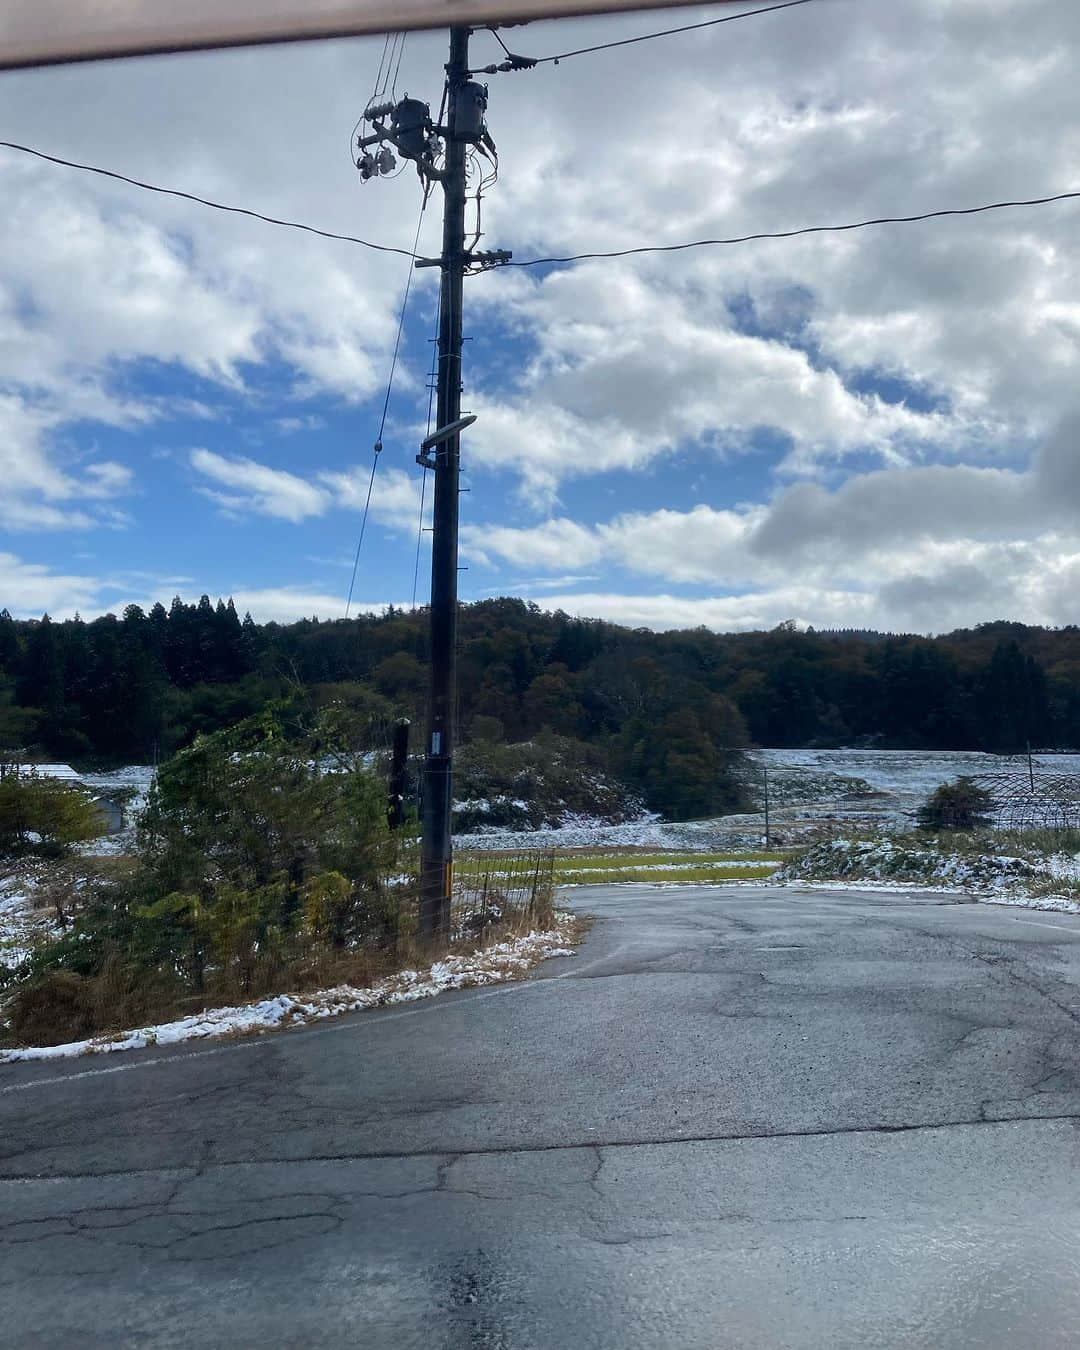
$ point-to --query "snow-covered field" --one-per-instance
(908, 775)
(866, 788)
(493, 965)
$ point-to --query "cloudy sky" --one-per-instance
(877, 429)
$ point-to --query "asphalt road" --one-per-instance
(736, 1118)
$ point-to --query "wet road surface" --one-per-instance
(752, 1117)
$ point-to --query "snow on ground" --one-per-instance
(17, 930)
(21, 925)
(492, 965)
(909, 775)
(138, 777)
(1038, 881)
(648, 831)
(875, 789)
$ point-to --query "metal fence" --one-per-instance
(512, 891)
(1028, 801)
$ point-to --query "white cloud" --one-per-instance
(819, 114)
(259, 488)
(928, 548)
(626, 371)
(30, 589)
(285, 604)
(39, 491)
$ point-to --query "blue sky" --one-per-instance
(861, 430)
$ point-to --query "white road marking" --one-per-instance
(256, 1041)
(600, 960)
(382, 1016)
(1036, 924)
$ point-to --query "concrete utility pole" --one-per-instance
(441, 153)
(436, 854)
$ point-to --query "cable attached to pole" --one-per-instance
(424, 472)
(363, 528)
(385, 410)
(516, 62)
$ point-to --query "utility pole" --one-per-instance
(399, 769)
(436, 852)
(441, 153)
(765, 774)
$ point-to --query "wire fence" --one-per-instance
(1033, 801)
(514, 892)
(796, 801)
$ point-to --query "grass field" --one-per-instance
(584, 868)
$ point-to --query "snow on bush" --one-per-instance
(1038, 878)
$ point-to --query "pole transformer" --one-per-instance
(436, 853)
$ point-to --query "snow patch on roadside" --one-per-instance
(892, 865)
(22, 926)
(491, 965)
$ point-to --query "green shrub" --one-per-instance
(46, 816)
(536, 783)
(961, 805)
(261, 846)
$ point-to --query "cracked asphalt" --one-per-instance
(739, 1117)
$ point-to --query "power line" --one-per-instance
(666, 32)
(792, 234)
(570, 257)
(204, 201)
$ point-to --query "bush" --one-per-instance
(961, 805)
(261, 847)
(536, 783)
(54, 1009)
(43, 815)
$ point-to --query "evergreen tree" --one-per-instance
(9, 644)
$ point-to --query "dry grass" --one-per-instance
(63, 1006)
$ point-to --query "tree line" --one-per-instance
(669, 708)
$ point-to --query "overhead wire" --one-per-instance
(382, 63)
(205, 201)
(665, 32)
(563, 258)
(397, 67)
(792, 234)
(423, 482)
(385, 410)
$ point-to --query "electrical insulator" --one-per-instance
(385, 160)
(367, 166)
(410, 121)
(470, 106)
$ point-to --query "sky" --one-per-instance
(877, 429)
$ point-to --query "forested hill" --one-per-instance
(119, 686)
